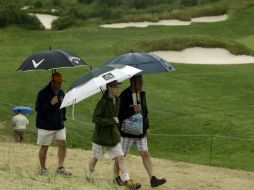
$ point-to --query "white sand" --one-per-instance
(46, 20)
(167, 22)
(210, 18)
(146, 24)
(199, 55)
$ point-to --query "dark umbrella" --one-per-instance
(51, 59)
(149, 63)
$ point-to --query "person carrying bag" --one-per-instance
(134, 127)
(134, 124)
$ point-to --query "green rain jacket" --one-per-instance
(106, 131)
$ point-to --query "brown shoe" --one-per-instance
(131, 185)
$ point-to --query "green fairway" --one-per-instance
(247, 40)
(202, 100)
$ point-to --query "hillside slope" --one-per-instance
(19, 166)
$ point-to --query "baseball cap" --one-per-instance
(113, 83)
(57, 77)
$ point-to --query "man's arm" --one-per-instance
(64, 114)
(99, 118)
(126, 109)
(145, 111)
(43, 105)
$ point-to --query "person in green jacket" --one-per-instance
(106, 137)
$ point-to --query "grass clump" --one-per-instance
(178, 43)
(12, 15)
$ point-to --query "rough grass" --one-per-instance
(178, 43)
(19, 170)
(96, 12)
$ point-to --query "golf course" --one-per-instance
(201, 115)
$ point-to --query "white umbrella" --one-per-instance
(96, 80)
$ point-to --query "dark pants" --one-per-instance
(19, 135)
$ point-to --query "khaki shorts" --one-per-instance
(46, 137)
(141, 144)
(19, 135)
(114, 151)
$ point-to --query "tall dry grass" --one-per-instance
(19, 171)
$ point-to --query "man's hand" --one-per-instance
(116, 120)
(54, 100)
(61, 98)
(137, 108)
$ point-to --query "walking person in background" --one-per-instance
(19, 122)
(50, 123)
(133, 101)
(106, 136)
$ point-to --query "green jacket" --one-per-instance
(106, 132)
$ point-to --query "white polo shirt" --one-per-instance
(19, 122)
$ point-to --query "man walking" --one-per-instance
(19, 122)
(106, 137)
(133, 101)
(50, 123)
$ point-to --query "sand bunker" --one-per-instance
(199, 55)
(210, 18)
(167, 22)
(46, 20)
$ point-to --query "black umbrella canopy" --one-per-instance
(51, 59)
(149, 63)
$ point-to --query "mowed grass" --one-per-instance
(200, 100)
(247, 40)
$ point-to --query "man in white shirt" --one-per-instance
(19, 122)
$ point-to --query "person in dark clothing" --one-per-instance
(106, 137)
(133, 101)
(50, 122)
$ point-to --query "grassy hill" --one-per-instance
(19, 170)
(188, 109)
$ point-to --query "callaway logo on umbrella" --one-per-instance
(51, 59)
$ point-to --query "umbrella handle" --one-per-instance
(101, 90)
(73, 110)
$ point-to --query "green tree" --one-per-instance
(85, 1)
(56, 2)
(62, 23)
(38, 4)
(12, 15)
(189, 2)
(110, 3)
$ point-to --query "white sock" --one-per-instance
(89, 174)
(126, 176)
